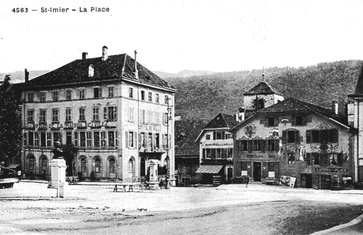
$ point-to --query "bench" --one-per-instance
(130, 186)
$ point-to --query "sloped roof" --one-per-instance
(359, 87)
(115, 67)
(222, 120)
(262, 88)
(292, 105)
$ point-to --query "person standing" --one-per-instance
(247, 180)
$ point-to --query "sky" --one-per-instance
(173, 35)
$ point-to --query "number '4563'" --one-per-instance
(20, 10)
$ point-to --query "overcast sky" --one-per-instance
(173, 35)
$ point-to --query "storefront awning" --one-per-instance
(209, 169)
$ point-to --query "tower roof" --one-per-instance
(359, 87)
(262, 88)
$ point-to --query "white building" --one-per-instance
(110, 113)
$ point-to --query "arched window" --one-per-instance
(131, 166)
(44, 165)
(112, 165)
(97, 165)
(31, 160)
(83, 165)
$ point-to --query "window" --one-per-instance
(68, 114)
(49, 139)
(96, 138)
(157, 140)
(96, 114)
(272, 145)
(143, 116)
(207, 136)
(36, 139)
(68, 94)
(30, 97)
(55, 115)
(315, 136)
(30, 116)
(242, 145)
(131, 166)
(111, 139)
(142, 95)
(130, 138)
(218, 135)
(82, 117)
(110, 113)
(68, 138)
(166, 99)
(43, 139)
(103, 139)
(83, 165)
(271, 121)
(89, 138)
(157, 98)
(130, 116)
(271, 166)
(44, 165)
(111, 91)
(75, 139)
(298, 120)
(112, 165)
(32, 163)
(42, 116)
(97, 92)
(131, 92)
(291, 137)
(56, 136)
(82, 136)
(97, 165)
(31, 138)
(150, 143)
(260, 104)
(150, 97)
(257, 145)
(42, 97)
(55, 95)
(142, 140)
(82, 94)
(25, 139)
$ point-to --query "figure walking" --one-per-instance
(247, 181)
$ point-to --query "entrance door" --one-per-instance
(257, 171)
(306, 181)
(325, 181)
(229, 174)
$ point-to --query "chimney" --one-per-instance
(26, 75)
(136, 72)
(84, 55)
(104, 53)
(335, 107)
(241, 115)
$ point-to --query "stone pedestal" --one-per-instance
(154, 177)
(58, 175)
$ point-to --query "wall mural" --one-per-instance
(250, 130)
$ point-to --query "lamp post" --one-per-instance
(168, 118)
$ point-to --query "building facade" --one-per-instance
(306, 145)
(110, 114)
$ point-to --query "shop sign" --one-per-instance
(68, 125)
(318, 169)
(254, 156)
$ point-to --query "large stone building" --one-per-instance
(111, 115)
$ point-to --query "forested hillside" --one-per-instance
(203, 97)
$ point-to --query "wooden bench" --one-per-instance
(130, 186)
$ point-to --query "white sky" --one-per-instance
(173, 35)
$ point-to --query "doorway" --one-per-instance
(306, 181)
(257, 171)
(229, 174)
(325, 182)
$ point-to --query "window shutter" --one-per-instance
(304, 120)
(115, 112)
(309, 118)
(105, 113)
(127, 138)
(308, 159)
(263, 146)
(340, 159)
(276, 121)
(297, 137)
(277, 170)
(135, 139)
(284, 137)
(277, 145)
(308, 137)
(250, 145)
(264, 170)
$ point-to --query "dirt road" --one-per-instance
(31, 208)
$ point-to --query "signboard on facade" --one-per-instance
(318, 169)
(219, 144)
(69, 125)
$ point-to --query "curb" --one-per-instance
(355, 221)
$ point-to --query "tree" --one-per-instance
(10, 123)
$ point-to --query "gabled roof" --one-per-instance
(292, 105)
(359, 87)
(262, 88)
(115, 67)
(222, 120)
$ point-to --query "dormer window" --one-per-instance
(91, 71)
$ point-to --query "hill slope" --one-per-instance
(203, 97)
